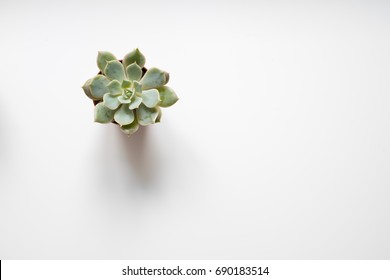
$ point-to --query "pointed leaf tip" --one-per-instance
(134, 56)
(102, 59)
(87, 89)
(168, 96)
(154, 78)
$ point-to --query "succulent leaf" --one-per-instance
(134, 56)
(87, 89)
(103, 114)
(114, 87)
(135, 102)
(115, 71)
(126, 92)
(103, 58)
(111, 102)
(168, 96)
(124, 100)
(146, 115)
(154, 78)
(130, 128)
(124, 115)
(126, 84)
(134, 72)
(137, 87)
(98, 86)
(150, 97)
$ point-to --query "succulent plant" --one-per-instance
(126, 93)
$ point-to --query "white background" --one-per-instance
(278, 147)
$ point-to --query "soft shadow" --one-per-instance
(140, 155)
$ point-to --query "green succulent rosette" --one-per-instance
(126, 93)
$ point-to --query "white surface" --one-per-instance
(278, 147)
